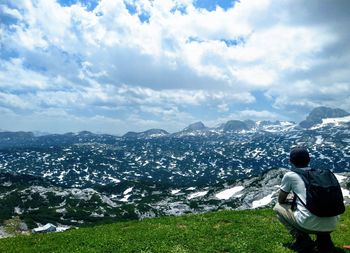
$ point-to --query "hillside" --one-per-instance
(223, 231)
(79, 179)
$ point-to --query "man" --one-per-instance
(299, 221)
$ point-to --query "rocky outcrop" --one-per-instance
(151, 133)
(234, 126)
(198, 126)
(316, 115)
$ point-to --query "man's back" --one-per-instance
(300, 222)
(292, 182)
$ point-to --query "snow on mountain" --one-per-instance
(342, 180)
(195, 127)
(317, 115)
(333, 121)
(197, 194)
(85, 177)
(277, 126)
(175, 191)
(229, 193)
(151, 133)
(263, 202)
(127, 191)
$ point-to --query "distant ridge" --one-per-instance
(195, 127)
(314, 118)
(316, 115)
(146, 134)
(234, 125)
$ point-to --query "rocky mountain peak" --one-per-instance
(195, 127)
(155, 131)
(146, 134)
(234, 125)
(316, 115)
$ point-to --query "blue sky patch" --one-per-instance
(7, 54)
(194, 39)
(7, 19)
(234, 42)
(90, 5)
(144, 17)
(179, 8)
(131, 8)
(210, 5)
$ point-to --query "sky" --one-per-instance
(112, 66)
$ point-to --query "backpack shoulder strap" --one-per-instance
(294, 202)
(303, 174)
(305, 177)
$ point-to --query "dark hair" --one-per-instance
(299, 156)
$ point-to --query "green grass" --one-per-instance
(253, 231)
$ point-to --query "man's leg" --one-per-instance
(303, 242)
(286, 217)
(324, 242)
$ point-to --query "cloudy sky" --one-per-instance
(110, 66)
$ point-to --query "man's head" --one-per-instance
(299, 157)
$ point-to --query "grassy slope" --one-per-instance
(224, 231)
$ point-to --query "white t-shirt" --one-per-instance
(292, 182)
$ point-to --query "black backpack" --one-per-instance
(324, 197)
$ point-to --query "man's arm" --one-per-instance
(282, 197)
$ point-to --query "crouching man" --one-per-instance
(295, 213)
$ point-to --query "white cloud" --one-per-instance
(257, 76)
(13, 75)
(247, 114)
(258, 115)
(223, 108)
(13, 101)
(11, 12)
(108, 60)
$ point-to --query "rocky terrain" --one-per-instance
(80, 178)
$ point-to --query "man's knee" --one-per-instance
(280, 208)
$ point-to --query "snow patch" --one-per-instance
(173, 192)
(197, 194)
(128, 190)
(332, 121)
(18, 210)
(319, 140)
(62, 228)
(346, 192)
(340, 178)
(115, 180)
(228, 193)
(125, 199)
(61, 210)
(336, 121)
(262, 202)
(96, 215)
(45, 229)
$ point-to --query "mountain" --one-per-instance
(275, 126)
(151, 133)
(78, 178)
(17, 138)
(195, 127)
(39, 201)
(316, 115)
(234, 126)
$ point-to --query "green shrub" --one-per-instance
(13, 226)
